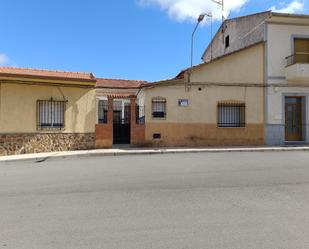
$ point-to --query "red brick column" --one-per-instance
(137, 130)
(104, 132)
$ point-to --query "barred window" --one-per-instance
(140, 114)
(102, 111)
(159, 108)
(231, 115)
(50, 114)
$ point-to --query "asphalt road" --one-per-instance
(187, 201)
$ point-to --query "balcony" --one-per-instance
(297, 67)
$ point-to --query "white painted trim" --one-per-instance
(102, 97)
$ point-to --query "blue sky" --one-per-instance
(130, 39)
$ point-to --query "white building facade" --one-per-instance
(287, 79)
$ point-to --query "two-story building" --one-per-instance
(287, 79)
(251, 89)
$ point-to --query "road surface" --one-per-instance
(181, 201)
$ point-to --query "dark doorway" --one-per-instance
(121, 126)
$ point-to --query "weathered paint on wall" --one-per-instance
(243, 32)
(198, 134)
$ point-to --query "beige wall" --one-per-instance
(203, 104)
(18, 107)
(238, 77)
(245, 66)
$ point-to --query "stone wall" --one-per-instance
(13, 144)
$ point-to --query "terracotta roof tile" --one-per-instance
(117, 83)
(38, 73)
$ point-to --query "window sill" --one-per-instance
(50, 129)
(158, 118)
(241, 127)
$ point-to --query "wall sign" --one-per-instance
(183, 102)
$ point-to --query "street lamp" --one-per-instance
(199, 20)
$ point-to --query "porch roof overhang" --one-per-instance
(118, 95)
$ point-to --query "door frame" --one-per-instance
(304, 116)
(121, 127)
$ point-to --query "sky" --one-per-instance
(128, 39)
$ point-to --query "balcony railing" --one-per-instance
(297, 58)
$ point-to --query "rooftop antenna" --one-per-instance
(220, 3)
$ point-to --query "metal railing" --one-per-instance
(102, 112)
(297, 58)
(140, 114)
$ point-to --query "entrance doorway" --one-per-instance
(121, 122)
(293, 119)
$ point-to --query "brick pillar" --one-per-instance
(110, 114)
(104, 132)
(137, 130)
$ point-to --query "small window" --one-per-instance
(157, 136)
(50, 114)
(183, 102)
(159, 108)
(102, 112)
(231, 115)
(227, 41)
(140, 114)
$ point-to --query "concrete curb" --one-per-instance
(41, 157)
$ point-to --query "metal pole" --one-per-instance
(222, 12)
(192, 44)
(211, 34)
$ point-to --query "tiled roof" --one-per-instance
(38, 73)
(117, 83)
(118, 95)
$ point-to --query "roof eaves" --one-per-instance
(45, 77)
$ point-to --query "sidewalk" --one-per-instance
(40, 157)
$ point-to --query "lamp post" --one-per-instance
(199, 20)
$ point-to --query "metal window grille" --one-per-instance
(159, 108)
(231, 115)
(140, 114)
(121, 114)
(103, 110)
(50, 114)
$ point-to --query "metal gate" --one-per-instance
(121, 126)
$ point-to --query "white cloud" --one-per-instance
(184, 10)
(4, 59)
(293, 7)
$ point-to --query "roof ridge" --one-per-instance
(120, 79)
(44, 70)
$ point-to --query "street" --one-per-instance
(177, 201)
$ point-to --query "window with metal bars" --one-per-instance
(231, 115)
(140, 114)
(50, 114)
(159, 108)
(102, 112)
